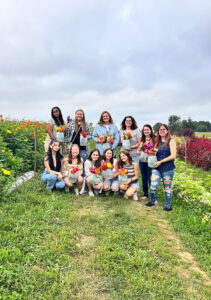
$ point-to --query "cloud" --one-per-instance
(149, 59)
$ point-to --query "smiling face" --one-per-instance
(55, 146)
(123, 157)
(105, 118)
(75, 151)
(147, 131)
(128, 122)
(79, 115)
(108, 155)
(56, 113)
(163, 131)
(95, 156)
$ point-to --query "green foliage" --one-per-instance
(174, 123)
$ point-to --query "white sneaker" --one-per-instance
(91, 194)
(135, 197)
(76, 192)
(67, 189)
(125, 196)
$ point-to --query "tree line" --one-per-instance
(176, 124)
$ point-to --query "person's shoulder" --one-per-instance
(51, 121)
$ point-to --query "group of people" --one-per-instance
(100, 170)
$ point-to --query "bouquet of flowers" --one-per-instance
(83, 139)
(123, 176)
(95, 177)
(127, 136)
(106, 139)
(148, 154)
(73, 174)
(107, 170)
(60, 134)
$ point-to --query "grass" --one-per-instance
(56, 246)
(201, 134)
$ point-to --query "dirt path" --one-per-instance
(173, 242)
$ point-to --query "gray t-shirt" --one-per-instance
(133, 141)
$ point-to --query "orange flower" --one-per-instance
(97, 171)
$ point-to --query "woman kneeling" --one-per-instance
(92, 172)
(73, 168)
(109, 166)
(130, 185)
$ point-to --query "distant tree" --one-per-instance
(202, 128)
(189, 123)
(174, 123)
(156, 126)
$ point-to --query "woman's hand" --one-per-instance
(157, 164)
(59, 176)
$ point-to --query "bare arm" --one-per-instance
(50, 131)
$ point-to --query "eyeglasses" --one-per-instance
(163, 129)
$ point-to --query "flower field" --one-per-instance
(17, 144)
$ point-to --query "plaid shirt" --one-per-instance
(70, 131)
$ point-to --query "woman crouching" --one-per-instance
(53, 161)
(129, 183)
(72, 169)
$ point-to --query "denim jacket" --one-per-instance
(70, 132)
(100, 131)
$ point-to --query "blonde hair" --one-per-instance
(83, 124)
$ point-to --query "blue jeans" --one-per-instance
(167, 182)
(51, 180)
(146, 173)
(84, 154)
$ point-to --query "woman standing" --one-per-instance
(53, 161)
(129, 132)
(164, 168)
(106, 134)
(53, 123)
(132, 185)
(78, 132)
(73, 165)
(148, 137)
(92, 169)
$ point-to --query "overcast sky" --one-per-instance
(149, 59)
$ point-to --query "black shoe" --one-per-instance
(167, 209)
(148, 204)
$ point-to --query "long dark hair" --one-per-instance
(70, 156)
(167, 137)
(112, 158)
(100, 122)
(61, 121)
(48, 157)
(143, 138)
(133, 125)
(98, 162)
(120, 162)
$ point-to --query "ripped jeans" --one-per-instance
(167, 177)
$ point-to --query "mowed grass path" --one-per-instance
(57, 246)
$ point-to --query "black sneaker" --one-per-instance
(148, 204)
(167, 209)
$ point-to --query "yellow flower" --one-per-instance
(109, 165)
(2, 150)
(43, 142)
(25, 140)
(6, 172)
(9, 131)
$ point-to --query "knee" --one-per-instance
(105, 187)
(60, 185)
(52, 177)
(123, 187)
(114, 188)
